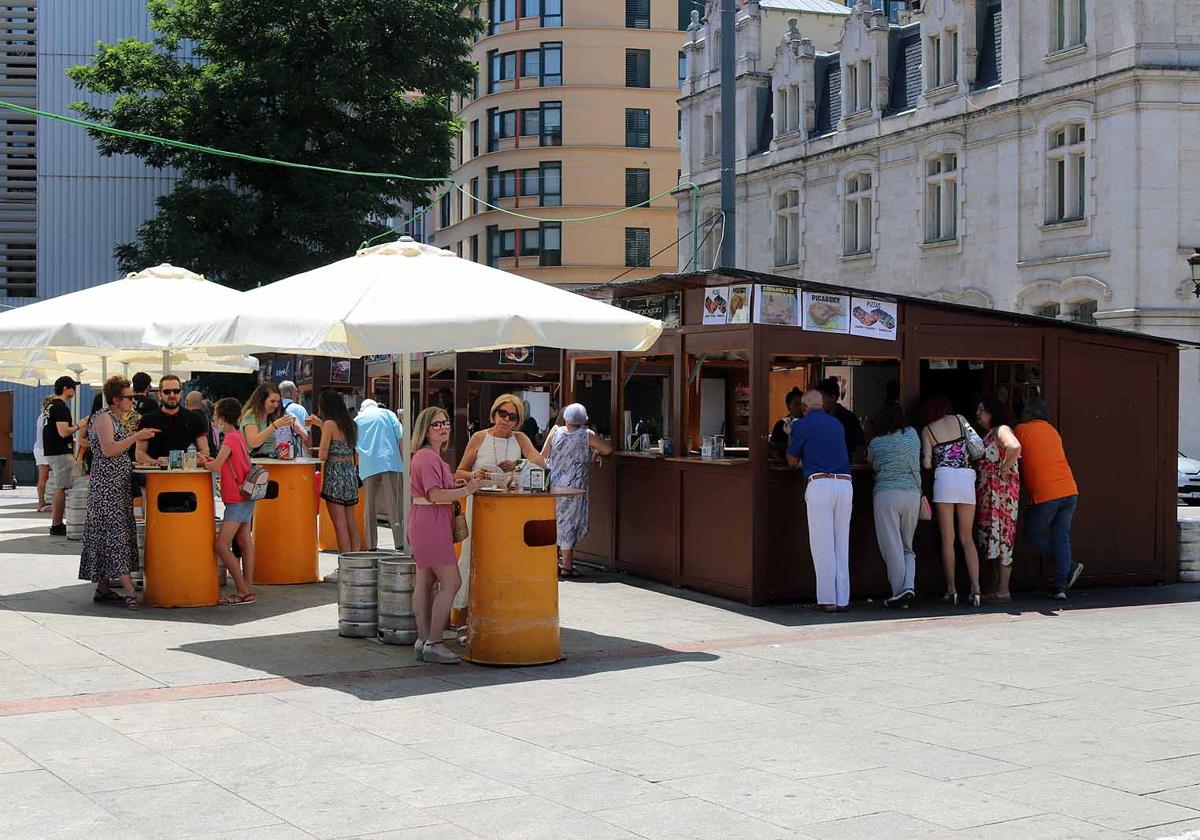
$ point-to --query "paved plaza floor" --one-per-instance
(674, 716)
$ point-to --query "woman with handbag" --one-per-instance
(998, 492)
(895, 453)
(233, 465)
(432, 521)
(339, 471)
(948, 446)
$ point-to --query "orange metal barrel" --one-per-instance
(179, 569)
(326, 536)
(285, 524)
(512, 616)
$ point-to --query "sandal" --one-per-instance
(131, 602)
(103, 596)
(236, 600)
(564, 573)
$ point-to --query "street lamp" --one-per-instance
(1194, 263)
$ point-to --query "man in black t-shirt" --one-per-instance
(58, 445)
(142, 403)
(831, 390)
(178, 428)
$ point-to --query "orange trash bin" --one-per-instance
(285, 523)
(179, 567)
(326, 536)
(512, 613)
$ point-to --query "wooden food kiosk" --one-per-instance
(737, 341)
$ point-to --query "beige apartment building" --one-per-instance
(574, 115)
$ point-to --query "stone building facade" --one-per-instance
(1034, 155)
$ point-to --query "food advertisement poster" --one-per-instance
(826, 313)
(739, 304)
(716, 305)
(873, 318)
(776, 305)
(522, 356)
(339, 372)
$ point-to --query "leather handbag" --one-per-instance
(461, 530)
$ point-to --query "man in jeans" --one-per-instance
(818, 445)
(58, 446)
(1047, 477)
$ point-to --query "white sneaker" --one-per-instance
(419, 649)
(439, 657)
(332, 577)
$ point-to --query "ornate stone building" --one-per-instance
(1033, 155)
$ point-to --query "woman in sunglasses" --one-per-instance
(493, 454)
(431, 532)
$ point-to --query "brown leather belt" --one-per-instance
(838, 476)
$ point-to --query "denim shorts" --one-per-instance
(238, 512)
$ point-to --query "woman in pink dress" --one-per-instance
(430, 532)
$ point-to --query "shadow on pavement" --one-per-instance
(40, 543)
(76, 599)
(298, 655)
(1023, 603)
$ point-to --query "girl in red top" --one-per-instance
(233, 465)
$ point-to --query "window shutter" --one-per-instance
(637, 247)
(990, 52)
(637, 186)
(637, 68)
(912, 72)
(18, 187)
(637, 127)
(637, 14)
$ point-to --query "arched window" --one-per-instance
(787, 227)
(941, 197)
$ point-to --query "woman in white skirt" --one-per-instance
(946, 449)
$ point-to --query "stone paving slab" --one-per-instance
(674, 716)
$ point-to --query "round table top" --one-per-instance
(166, 471)
(276, 462)
(528, 494)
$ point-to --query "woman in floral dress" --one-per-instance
(998, 490)
(109, 535)
(568, 453)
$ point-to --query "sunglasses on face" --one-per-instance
(170, 392)
(506, 415)
(440, 424)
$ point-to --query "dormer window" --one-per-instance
(858, 87)
(941, 57)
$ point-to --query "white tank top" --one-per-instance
(494, 449)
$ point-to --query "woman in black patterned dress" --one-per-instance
(109, 534)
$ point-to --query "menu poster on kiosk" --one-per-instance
(826, 312)
(739, 304)
(873, 318)
(716, 305)
(776, 305)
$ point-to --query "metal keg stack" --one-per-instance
(397, 576)
(1189, 551)
(76, 508)
(358, 598)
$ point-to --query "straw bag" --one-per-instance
(460, 530)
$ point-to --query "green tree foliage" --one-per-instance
(355, 84)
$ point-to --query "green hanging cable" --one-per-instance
(449, 183)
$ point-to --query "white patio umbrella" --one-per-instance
(404, 297)
(121, 321)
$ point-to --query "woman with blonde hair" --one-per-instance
(431, 532)
(494, 454)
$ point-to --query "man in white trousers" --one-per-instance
(818, 446)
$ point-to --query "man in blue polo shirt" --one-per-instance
(818, 446)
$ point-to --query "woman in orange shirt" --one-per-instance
(1048, 478)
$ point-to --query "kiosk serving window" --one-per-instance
(718, 402)
(647, 383)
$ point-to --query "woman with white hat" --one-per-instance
(568, 453)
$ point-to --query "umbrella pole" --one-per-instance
(104, 369)
(405, 386)
(166, 362)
